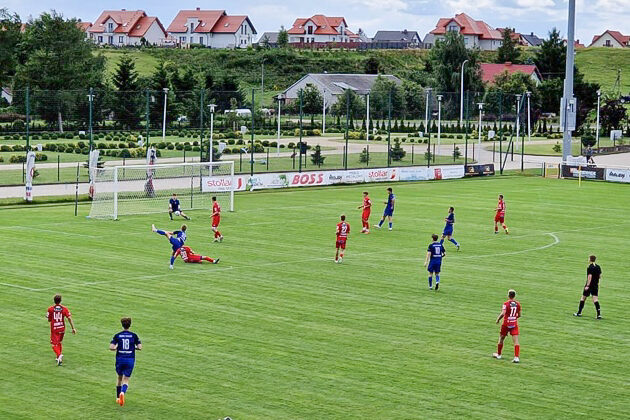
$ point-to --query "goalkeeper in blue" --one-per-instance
(175, 208)
(176, 238)
(448, 228)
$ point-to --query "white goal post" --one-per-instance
(143, 189)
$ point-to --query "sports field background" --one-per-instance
(278, 331)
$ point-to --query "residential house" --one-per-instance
(211, 28)
(516, 37)
(489, 71)
(408, 38)
(127, 27)
(331, 86)
(476, 33)
(611, 39)
(85, 27)
(319, 28)
(429, 41)
(531, 40)
(269, 39)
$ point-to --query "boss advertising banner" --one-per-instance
(618, 175)
(30, 171)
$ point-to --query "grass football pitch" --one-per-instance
(278, 331)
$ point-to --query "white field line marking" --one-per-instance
(20, 287)
(60, 232)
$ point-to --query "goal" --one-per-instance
(551, 170)
(143, 189)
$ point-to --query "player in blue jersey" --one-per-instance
(125, 344)
(435, 253)
(389, 210)
(175, 208)
(176, 239)
(448, 228)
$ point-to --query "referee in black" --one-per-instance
(591, 288)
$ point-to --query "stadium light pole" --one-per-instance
(367, 123)
(480, 114)
(164, 118)
(91, 99)
(426, 111)
(280, 99)
(461, 94)
(568, 101)
(439, 98)
(529, 117)
(518, 126)
(599, 99)
(345, 158)
(210, 151)
(324, 113)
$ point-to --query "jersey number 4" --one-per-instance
(57, 316)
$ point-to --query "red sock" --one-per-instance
(217, 234)
(496, 228)
(57, 349)
(499, 348)
(517, 350)
(207, 259)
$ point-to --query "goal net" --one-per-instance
(142, 189)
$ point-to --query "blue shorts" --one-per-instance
(175, 242)
(388, 212)
(124, 366)
(448, 232)
(434, 266)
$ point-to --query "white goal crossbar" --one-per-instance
(142, 189)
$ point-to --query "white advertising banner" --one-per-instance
(30, 171)
(224, 183)
(618, 175)
(448, 172)
(265, 181)
(381, 175)
(416, 174)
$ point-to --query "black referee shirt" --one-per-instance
(595, 271)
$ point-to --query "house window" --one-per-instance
(310, 30)
(100, 39)
(110, 27)
(121, 39)
(182, 39)
(466, 40)
(608, 43)
(453, 28)
(110, 40)
(192, 27)
(201, 40)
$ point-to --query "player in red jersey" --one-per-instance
(56, 315)
(510, 313)
(365, 216)
(189, 256)
(216, 219)
(343, 229)
(500, 216)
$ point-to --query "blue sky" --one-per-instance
(538, 16)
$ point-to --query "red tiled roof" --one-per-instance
(618, 36)
(143, 24)
(84, 26)
(125, 20)
(468, 26)
(325, 25)
(229, 24)
(489, 71)
(207, 20)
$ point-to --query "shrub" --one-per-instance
(231, 141)
(291, 145)
(81, 144)
(101, 146)
(187, 147)
(240, 141)
(5, 148)
(236, 150)
(196, 149)
(588, 140)
(273, 144)
(77, 150)
(179, 146)
(317, 132)
(282, 146)
(557, 148)
(122, 146)
(52, 147)
(18, 125)
(125, 153)
(18, 148)
(69, 149)
(170, 146)
(81, 136)
(1, 159)
(265, 143)
(161, 145)
(17, 159)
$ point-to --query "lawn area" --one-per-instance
(145, 63)
(600, 65)
(278, 331)
(547, 149)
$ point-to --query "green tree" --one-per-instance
(551, 57)
(283, 38)
(414, 98)
(357, 105)
(506, 86)
(612, 114)
(316, 157)
(312, 100)
(160, 80)
(58, 58)
(127, 100)
(508, 51)
(379, 98)
(445, 61)
(397, 153)
(10, 37)
(364, 156)
(372, 65)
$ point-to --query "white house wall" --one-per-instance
(601, 42)
(154, 35)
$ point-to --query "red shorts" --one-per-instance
(56, 337)
(505, 330)
(499, 218)
(216, 221)
(365, 215)
(341, 243)
(193, 258)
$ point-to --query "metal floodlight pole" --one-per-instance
(480, 114)
(389, 127)
(529, 116)
(280, 97)
(518, 126)
(461, 94)
(568, 82)
(439, 98)
(262, 81)
(164, 117)
(91, 99)
(367, 123)
(210, 140)
(28, 118)
(324, 113)
(251, 164)
(147, 94)
(599, 98)
(345, 154)
(426, 111)
(201, 92)
(300, 147)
